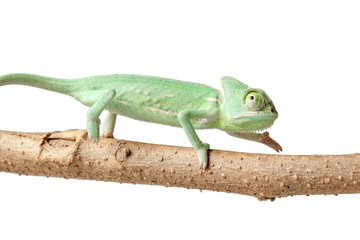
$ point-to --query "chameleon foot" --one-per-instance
(93, 130)
(203, 155)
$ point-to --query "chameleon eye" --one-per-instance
(254, 101)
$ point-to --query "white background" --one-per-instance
(305, 54)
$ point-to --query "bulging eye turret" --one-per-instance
(254, 101)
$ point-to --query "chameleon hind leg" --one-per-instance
(201, 148)
(92, 117)
(109, 125)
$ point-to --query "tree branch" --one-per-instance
(69, 154)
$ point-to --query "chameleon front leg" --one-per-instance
(109, 125)
(201, 148)
(92, 117)
(257, 137)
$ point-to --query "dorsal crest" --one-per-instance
(230, 84)
(233, 91)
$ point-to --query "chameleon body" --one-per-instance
(237, 109)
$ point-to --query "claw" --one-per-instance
(203, 155)
(95, 140)
(202, 164)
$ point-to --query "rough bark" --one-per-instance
(69, 154)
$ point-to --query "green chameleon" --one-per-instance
(237, 109)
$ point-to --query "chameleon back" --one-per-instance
(154, 99)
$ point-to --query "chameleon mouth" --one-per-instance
(255, 122)
(248, 114)
(259, 130)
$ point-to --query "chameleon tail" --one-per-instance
(65, 86)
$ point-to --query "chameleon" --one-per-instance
(237, 109)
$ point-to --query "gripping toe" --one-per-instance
(203, 155)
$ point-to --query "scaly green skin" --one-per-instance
(238, 109)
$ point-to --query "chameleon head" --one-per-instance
(246, 109)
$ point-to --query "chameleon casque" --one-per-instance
(238, 110)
